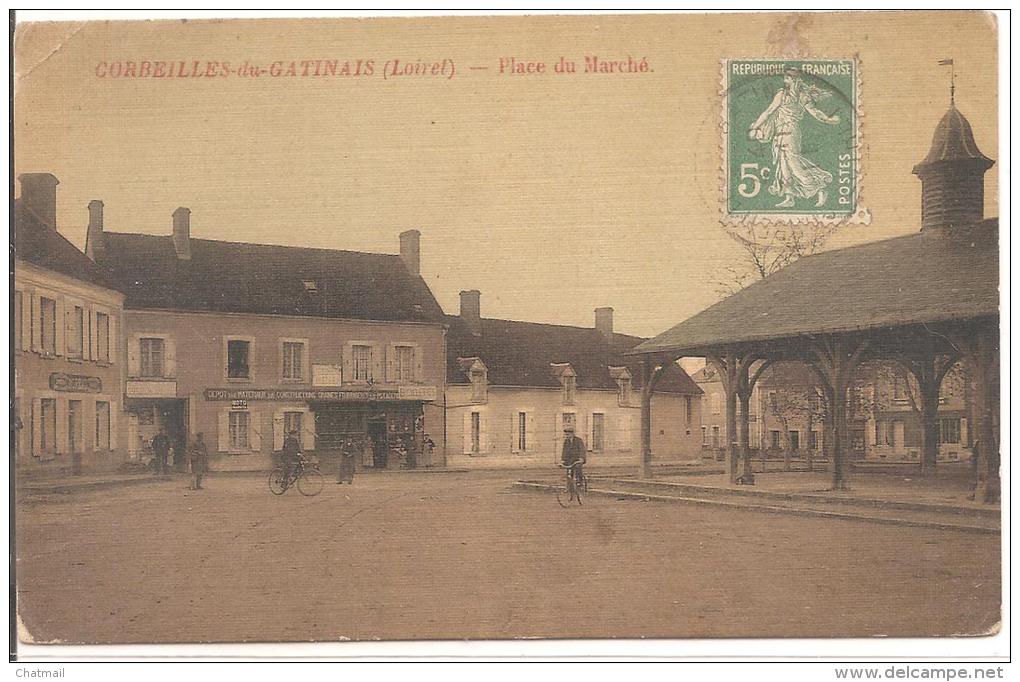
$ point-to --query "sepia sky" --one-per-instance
(551, 193)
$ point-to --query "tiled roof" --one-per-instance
(263, 279)
(37, 243)
(523, 354)
(932, 276)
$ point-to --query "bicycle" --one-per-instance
(305, 475)
(577, 483)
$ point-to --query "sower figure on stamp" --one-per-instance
(160, 448)
(345, 469)
(794, 176)
(199, 455)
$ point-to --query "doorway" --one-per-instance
(380, 444)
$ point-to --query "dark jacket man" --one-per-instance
(161, 448)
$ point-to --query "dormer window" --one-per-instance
(624, 381)
(311, 286)
(568, 380)
(478, 374)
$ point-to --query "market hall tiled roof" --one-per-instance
(523, 354)
(241, 277)
(927, 277)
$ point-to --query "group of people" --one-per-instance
(197, 456)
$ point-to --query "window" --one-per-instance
(237, 360)
(598, 432)
(152, 353)
(18, 311)
(293, 356)
(479, 386)
(522, 431)
(812, 440)
(102, 425)
(626, 386)
(239, 423)
(102, 337)
(76, 337)
(773, 404)
(362, 360)
(476, 432)
(795, 440)
(715, 436)
(569, 389)
(689, 408)
(48, 325)
(74, 430)
(704, 435)
(774, 439)
(716, 403)
(403, 363)
(48, 425)
(292, 422)
(949, 430)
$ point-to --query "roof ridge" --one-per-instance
(550, 324)
(260, 244)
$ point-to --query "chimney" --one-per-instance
(604, 321)
(471, 310)
(410, 251)
(94, 238)
(182, 233)
(39, 195)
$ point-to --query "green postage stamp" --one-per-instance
(791, 141)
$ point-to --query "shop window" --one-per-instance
(237, 359)
(403, 364)
(293, 360)
(240, 422)
(102, 337)
(102, 425)
(48, 325)
(152, 353)
(361, 357)
(598, 432)
(76, 333)
(48, 425)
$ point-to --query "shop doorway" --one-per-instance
(379, 441)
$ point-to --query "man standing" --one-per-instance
(345, 470)
(160, 448)
(199, 460)
(573, 452)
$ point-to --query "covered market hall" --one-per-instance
(926, 301)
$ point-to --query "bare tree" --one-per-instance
(766, 249)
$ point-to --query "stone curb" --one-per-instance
(793, 511)
(817, 497)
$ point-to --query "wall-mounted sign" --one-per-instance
(151, 389)
(75, 383)
(239, 404)
(326, 375)
(296, 395)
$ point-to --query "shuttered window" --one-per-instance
(152, 356)
(293, 355)
(76, 333)
(102, 337)
(362, 358)
(403, 365)
(48, 325)
(240, 422)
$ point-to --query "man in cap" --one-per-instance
(573, 452)
(290, 455)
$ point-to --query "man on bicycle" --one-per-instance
(290, 456)
(573, 453)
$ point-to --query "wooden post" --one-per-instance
(836, 360)
(646, 417)
(980, 354)
(929, 369)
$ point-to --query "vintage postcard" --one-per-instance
(507, 328)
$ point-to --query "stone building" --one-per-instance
(247, 342)
(512, 387)
(68, 368)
